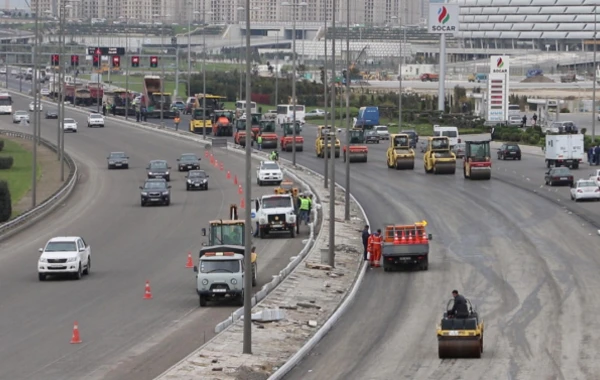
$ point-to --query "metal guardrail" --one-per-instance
(22, 221)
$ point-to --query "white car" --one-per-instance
(317, 113)
(95, 120)
(70, 125)
(269, 172)
(382, 131)
(32, 107)
(69, 255)
(585, 189)
(45, 92)
(19, 116)
(596, 177)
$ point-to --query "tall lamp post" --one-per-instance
(331, 253)
(595, 80)
(294, 68)
(128, 63)
(61, 105)
(36, 102)
(162, 67)
(204, 73)
(240, 10)
(347, 193)
(189, 50)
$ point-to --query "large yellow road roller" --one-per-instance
(399, 154)
(438, 158)
(460, 337)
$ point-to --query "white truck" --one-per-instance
(564, 150)
(274, 213)
(220, 274)
(450, 132)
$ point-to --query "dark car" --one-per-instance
(196, 180)
(155, 191)
(559, 176)
(51, 114)
(159, 169)
(188, 161)
(414, 137)
(511, 151)
(118, 160)
(371, 137)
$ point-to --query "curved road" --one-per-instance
(123, 335)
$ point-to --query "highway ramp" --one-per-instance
(123, 335)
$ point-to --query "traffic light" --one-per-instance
(96, 61)
(55, 60)
(154, 61)
(116, 61)
(74, 60)
(135, 61)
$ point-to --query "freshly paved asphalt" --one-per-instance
(124, 336)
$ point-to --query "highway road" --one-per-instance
(124, 336)
(514, 85)
(527, 263)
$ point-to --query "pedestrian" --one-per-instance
(590, 155)
(524, 121)
(137, 115)
(534, 119)
(104, 109)
(304, 209)
(375, 243)
(597, 155)
(310, 203)
(259, 141)
(113, 109)
(365, 240)
(176, 120)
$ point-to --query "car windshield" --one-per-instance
(209, 266)
(21, 113)
(61, 246)
(512, 147)
(381, 129)
(460, 146)
(276, 202)
(70, 121)
(196, 174)
(586, 184)
(188, 157)
(95, 116)
(561, 171)
(155, 185)
(270, 167)
(117, 155)
(228, 234)
(158, 165)
(370, 133)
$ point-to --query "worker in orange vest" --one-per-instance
(374, 247)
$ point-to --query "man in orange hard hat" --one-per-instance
(374, 247)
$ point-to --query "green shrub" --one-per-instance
(5, 202)
(6, 162)
(565, 110)
(1, 145)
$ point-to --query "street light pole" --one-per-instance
(162, 70)
(36, 100)
(347, 194)
(204, 73)
(325, 92)
(189, 53)
(595, 80)
(277, 73)
(332, 153)
(240, 9)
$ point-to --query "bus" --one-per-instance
(6, 103)
(240, 107)
(285, 113)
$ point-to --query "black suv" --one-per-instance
(196, 179)
(188, 161)
(51, 114)
(511, 151)
(155, 191)
(371, 137)
(118, 160)
(159, 169)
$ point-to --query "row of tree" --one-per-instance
(6, 162)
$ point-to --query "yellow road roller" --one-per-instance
(323, 133)
(460, 337)
(438, 158)
(399, 154)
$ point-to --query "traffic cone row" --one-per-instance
(242, 204)
(190, 261)
(411, 238)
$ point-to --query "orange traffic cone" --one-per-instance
(396, 238)
(221, 166)
(216, 163)
(228, 174)
(417, 237)
(424, 238)
(410, 239)
(242, 203)
(206, 153)
(190, 261)
(212, 159)
(235, 181)
(147, 292)
(240, 190)
(75, 339)
(403, 239)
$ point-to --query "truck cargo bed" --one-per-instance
(405, 249)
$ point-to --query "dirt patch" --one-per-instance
(48, 182)
(537, 79)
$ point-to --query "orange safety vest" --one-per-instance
(374, 241)
(177, 120)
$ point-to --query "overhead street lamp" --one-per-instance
(400, 66)
(294, 79)
(242, 9)
(128, 63)
(61, 105)
(204, 73)
(595, 80)
(347, 193)
(331, 255)
(189, 80)
(162, 66)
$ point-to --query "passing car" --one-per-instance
(509, 151)
(19, 116)
(559, 176)
(269, 172)
(70, 125)
(585, 189)
(371, 137)
(51, 114)
(117, 160)
(95, 120)
(188, 161)
(596, 177)
(155, 191)
(196, 180)
(65, 255)
(413, 135)
(459, 150)
(45, 92)
(159, 169)
(316, 113)
(382, 131)
(32, 107)
(515, 121)
(179, 105)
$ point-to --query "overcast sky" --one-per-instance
(19, 4)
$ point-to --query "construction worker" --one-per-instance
(176, 120)
(374, 247)
(460, 309)
(309, 197)
(274, 156)
(365, 239)
(304, 209)
(259, 141)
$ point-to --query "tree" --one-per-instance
(322, 69)
(5, 202)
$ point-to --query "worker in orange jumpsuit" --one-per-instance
(374, 245)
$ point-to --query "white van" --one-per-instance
(240, 106)
(450, 132)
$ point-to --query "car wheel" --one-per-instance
(41, 277)
(109, 167)
(167, 203)
(88, 267)
(187, 188)
(126, 166)
(142, 203)
(168, 179)
(202, 301)
(79, 272)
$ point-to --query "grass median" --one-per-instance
(19, 176)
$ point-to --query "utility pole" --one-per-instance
(189, 51)
(347, 195)
(325, 91)
(162, 75)
(277, 73)
(204, 73)
(36, 101)
(333, 139)
(595, 81)
(294, 86)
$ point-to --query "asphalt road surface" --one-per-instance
(514, 85)
(124, 336)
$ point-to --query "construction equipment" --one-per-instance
(256, 118)
(287, 187)
(357, 151)
(399, 154)
(267, 132)
(460, 337)
(438, 158)
(197, 124)
(154, 100)
(82, 97)
(322, 133)
(288, 137)
(240, 132)
(477, 163)
(406, 245)
(222, 123)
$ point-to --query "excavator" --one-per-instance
(399, 154)
(357, 150)
(222, 123)
(460, 336)
(269, 137)
(477, 163)
(438, 158)
(288, 137)
(323, 132)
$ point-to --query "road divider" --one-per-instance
(35, 214)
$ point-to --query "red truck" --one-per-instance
(428, 77)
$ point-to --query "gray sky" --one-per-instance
(19, 4)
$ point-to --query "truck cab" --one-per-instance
(322, 133)
(220, 274)
(274, 213)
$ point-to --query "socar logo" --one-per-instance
(500, 63)
(443, 15)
